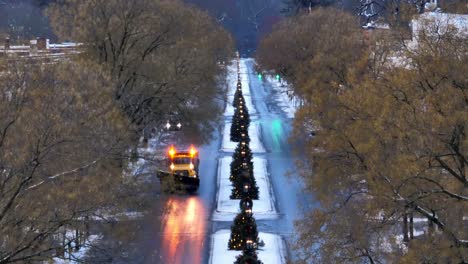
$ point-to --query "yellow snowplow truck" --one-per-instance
(182, 168)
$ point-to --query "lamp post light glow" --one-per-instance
(246, 187)
(249, 244)
(248, 212)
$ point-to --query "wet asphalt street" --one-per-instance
(182, 233)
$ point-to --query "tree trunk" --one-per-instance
(430, 227)
(411, 226)
(405, 228)
(77, 239)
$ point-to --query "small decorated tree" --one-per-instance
(244, 186)
(237, 94)
(240, 123)
(242, 111)
(241, 161)
(244, 232)
(248, 257)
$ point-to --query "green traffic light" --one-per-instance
(277, 77)
(259, 76)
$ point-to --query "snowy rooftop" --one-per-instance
(440, 22)
(38, 51)
(376, 25)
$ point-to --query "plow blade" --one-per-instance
(180, 181)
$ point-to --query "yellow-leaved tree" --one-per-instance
(61, 145)
(164, 57)
(388, 162)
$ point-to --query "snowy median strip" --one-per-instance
(245, 81)
(232, 86)
(232, 79)
(272, 253)
(227, 209)
(254, 133)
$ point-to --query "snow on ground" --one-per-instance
(232, 78)
(254, 133)
(399, 239)
(272, 253)
(226, 209)
(71, 257)
(287, 103)
(125, 216)
(232, 86)
(244, 78)
(147, 156)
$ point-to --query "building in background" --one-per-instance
(39, 49)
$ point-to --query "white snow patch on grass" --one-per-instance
(70, 258)
(118, 217)
(227, 209)
(147, 157)
(399, 239)
(254, 133)
(272, 253)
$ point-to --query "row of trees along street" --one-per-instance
(388, 159)
(244, 233)
(66, 128)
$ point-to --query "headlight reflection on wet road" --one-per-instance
(184, 230)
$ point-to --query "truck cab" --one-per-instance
(184, 166)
